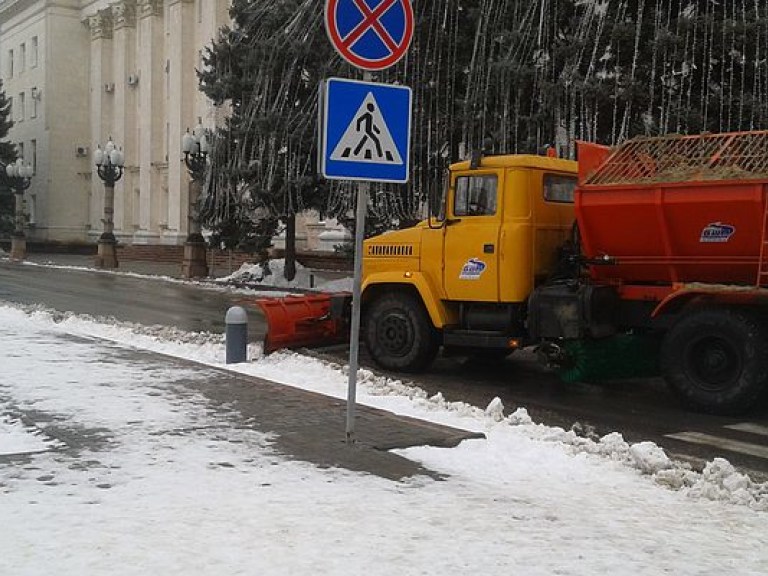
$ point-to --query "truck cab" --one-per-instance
(461, 278)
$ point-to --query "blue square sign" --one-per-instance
(365, 131)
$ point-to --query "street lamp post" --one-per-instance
(195, 147)
(109, 165)
(18, 177)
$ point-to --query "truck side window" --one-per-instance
(559, 188)
(475, 195)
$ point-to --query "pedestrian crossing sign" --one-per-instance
(365, 131)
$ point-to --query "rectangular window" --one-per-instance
(475, 195)
(559, 188)
(22, 107)
(33, 155)
(33, 52)
(32, 209)
(22, 57)
(20, 148)
(10, 64)
(33, 94)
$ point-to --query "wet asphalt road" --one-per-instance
(127, 298)
(640, 409)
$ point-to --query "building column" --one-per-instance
(101, 107)
(183, 84)
(125, 111)
(151, 118)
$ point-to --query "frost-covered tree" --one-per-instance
(266, 67)
(522, 74)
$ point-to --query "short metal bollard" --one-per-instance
(236, 335)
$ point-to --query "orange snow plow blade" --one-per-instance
(305, 321)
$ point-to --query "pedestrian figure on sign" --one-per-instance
(370, 130)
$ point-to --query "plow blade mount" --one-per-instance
(306, 321)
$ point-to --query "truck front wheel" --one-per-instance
(399, 334)
(716, 360)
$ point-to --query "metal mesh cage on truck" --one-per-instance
(676, 158)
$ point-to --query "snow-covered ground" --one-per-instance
(139, 475)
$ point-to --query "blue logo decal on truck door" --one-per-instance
(473, 269)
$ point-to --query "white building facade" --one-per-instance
(80, 71)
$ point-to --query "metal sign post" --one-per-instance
(363, 189)
(365, 127)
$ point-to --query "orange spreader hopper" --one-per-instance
(305, 321)
(676, 208)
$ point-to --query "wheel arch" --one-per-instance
(416, 284)
(687, 299)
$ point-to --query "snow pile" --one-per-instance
(718, 481)
(272, 274)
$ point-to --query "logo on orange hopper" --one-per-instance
(717, 232)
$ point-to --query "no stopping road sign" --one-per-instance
(370, 34)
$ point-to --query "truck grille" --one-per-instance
(390, 250)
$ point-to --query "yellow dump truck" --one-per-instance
(459, 279)
(462, 278)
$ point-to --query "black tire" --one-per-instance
(716, 360)
(399, 334)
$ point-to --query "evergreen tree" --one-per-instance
(266, 68)
(522, 74)
(7, 155)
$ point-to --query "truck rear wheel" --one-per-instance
(399, 334)
(716, 360)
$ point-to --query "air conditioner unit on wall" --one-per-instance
(133, 79)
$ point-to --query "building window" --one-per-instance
(33, 52)
(33, 154)
(32, 209)
(22, 107)
(20, 148)
(10, 64)
(33, 105)
(22, 57)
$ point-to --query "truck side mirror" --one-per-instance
(437, 200)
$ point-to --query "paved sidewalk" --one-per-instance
(311, 426)
(305, 425)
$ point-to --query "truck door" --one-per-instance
(471, 270)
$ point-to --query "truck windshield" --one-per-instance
(475, 195)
